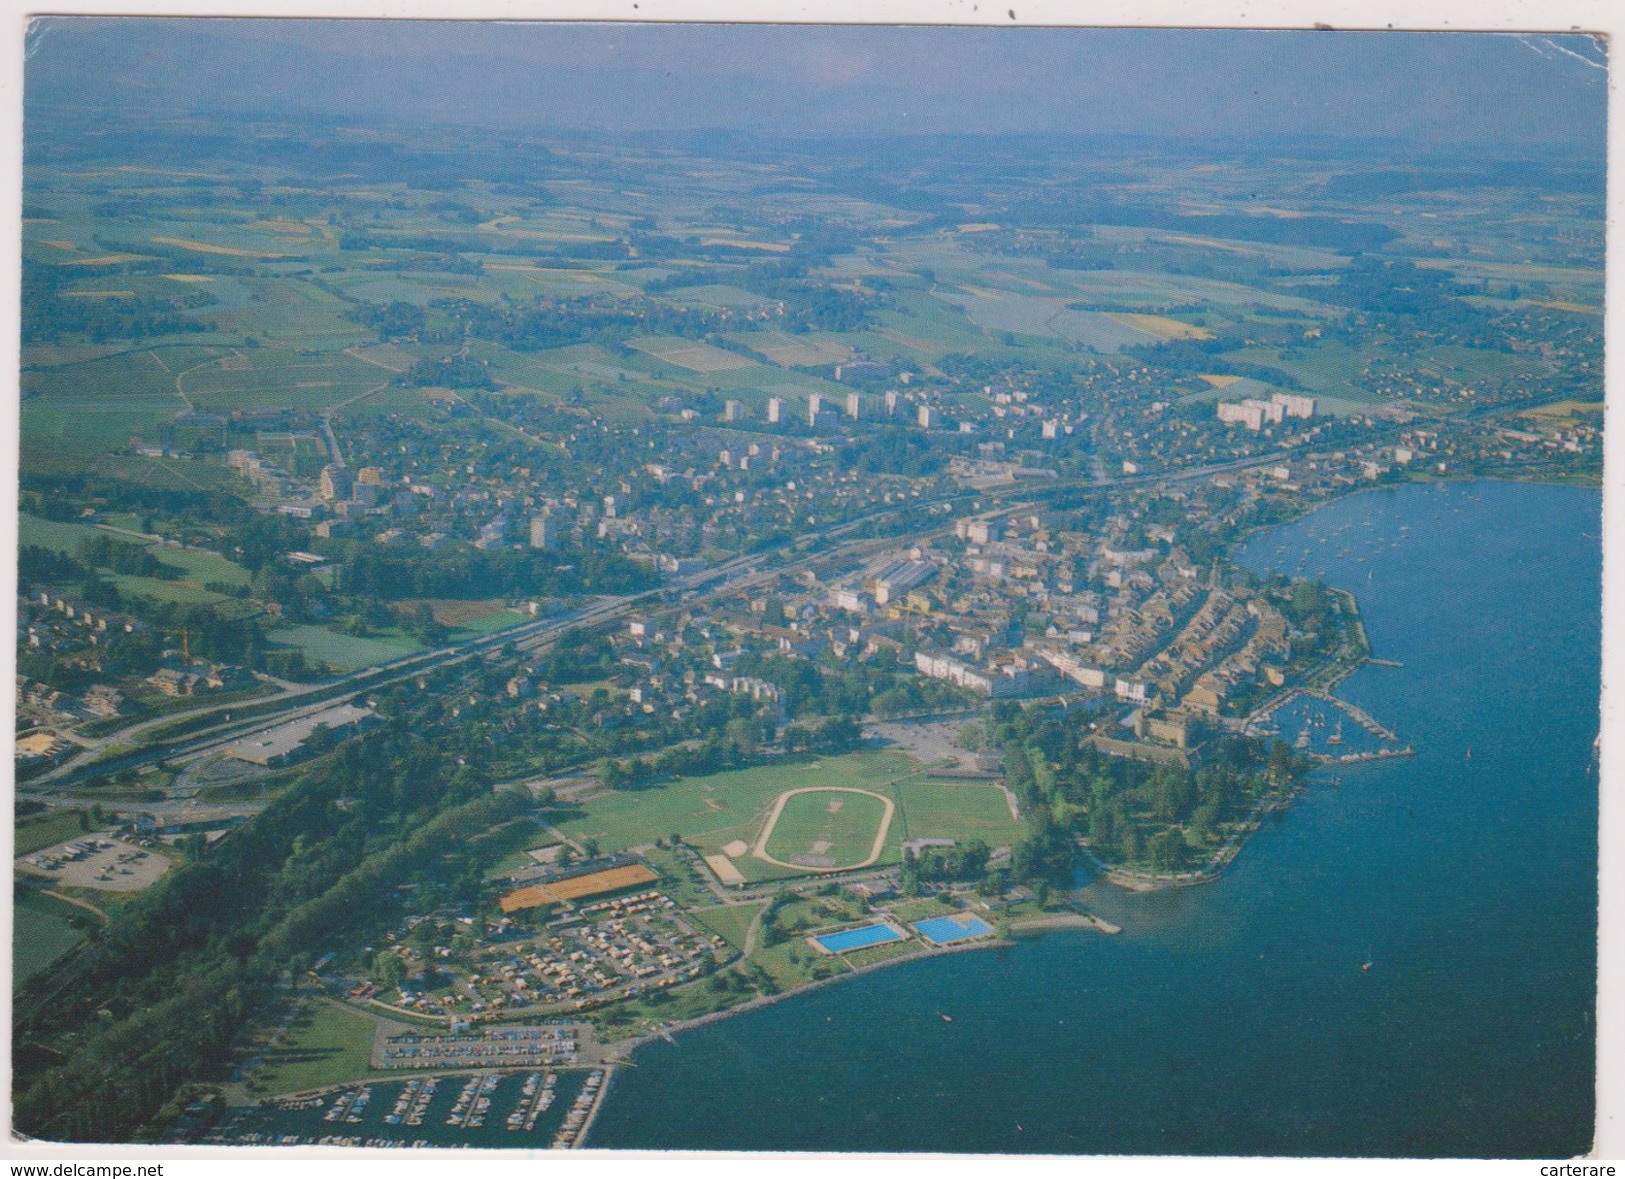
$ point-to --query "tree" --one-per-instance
(741, 733)
(388, 968)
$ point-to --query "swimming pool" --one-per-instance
(956, 928)
(859, 938)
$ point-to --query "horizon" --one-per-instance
(842, 83)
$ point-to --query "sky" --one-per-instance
(1434, 88)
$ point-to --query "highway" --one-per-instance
(739, 573)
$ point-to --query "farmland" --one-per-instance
(311, 400)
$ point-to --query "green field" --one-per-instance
(39, 831)
(489, 623)
(718, 808)
(199, 568)
(344, 652)
(324, 1045)
(712, 811)
(826, 829)
(40, 935)
(955, 810)
(61, 535)
(730, 922)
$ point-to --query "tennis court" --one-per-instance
(860, 938)
(959, 927)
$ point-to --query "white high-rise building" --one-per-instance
(775, 410)
(1295, 405)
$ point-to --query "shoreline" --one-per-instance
(621, 1050)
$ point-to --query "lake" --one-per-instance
(1236, 1018)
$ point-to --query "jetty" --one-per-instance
(1365, 720)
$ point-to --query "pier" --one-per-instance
(1365, 720)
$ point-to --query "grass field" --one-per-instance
(62, 535)
(485, 624)
(713, 811)
(40, 935)
(164, 591)
(956, 810)
(324, 1045)
(826, 829)
(345, 652)
(39, 831)
(199, 568)
(730, 922)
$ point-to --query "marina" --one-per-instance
(539, 1108)
(1330, 730)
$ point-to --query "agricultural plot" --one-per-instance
(1152, 291)
(286, 308)
(790, 351)
(718, 295)
(419, 289)
(689, 354)
(1161, 326)
(1030, 315)
(279, 378)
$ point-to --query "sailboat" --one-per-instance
(1337, 737)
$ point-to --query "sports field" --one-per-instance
(713, 810)
(826, 828)
(956, 810)
(727, 814)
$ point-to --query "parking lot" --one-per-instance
(93, 861)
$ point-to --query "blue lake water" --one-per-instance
(1235, 1018)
